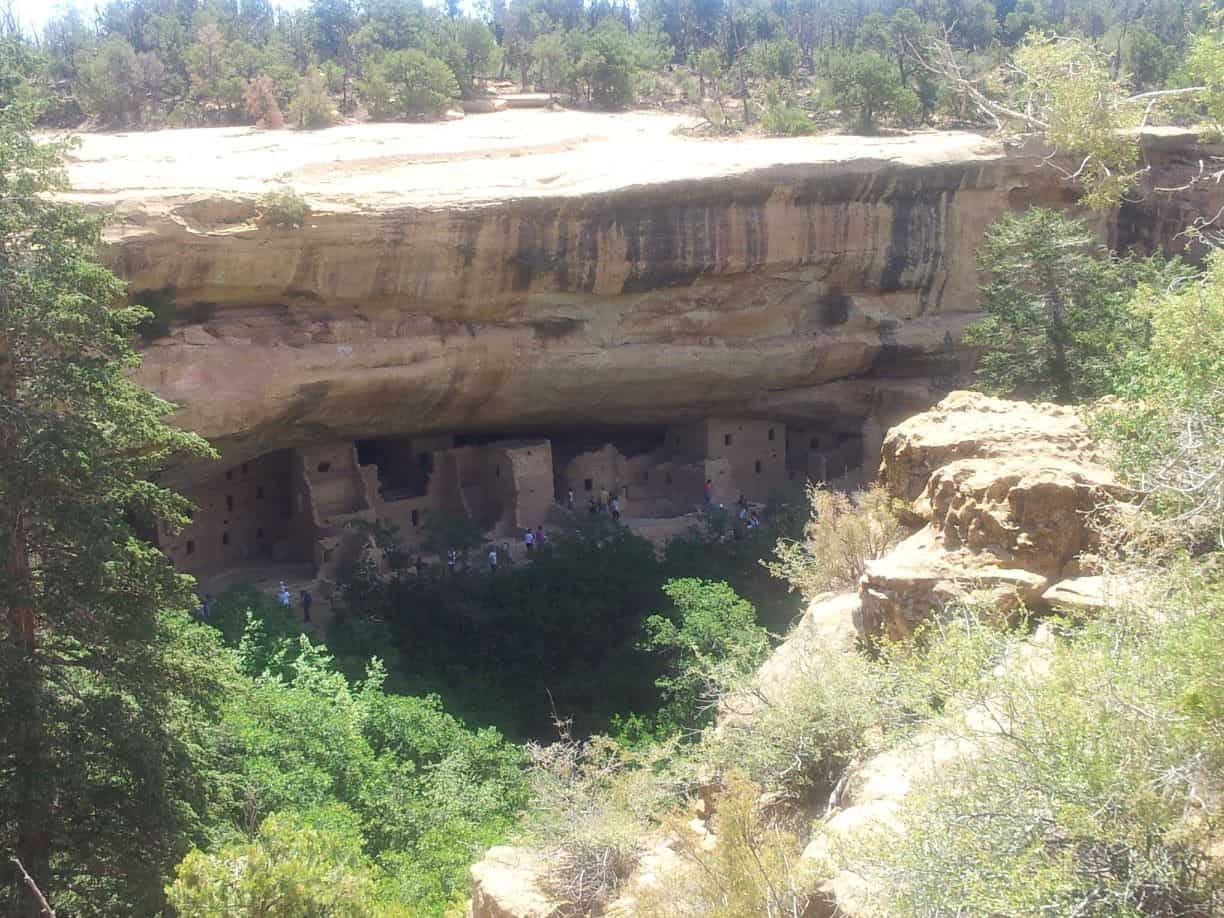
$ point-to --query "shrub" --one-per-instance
(1059, 319)
(799, 739)
(290, 869)
(842, 535)
(593, 802)
(259, 97)
(753, 869)
(1092, 794)
(284, 208)
(712, 643)
(1168, 431)
(772, 59)
(866, 83)
(782, 117)
(311, 107)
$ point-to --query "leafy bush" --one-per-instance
(426, 793)
(284, 207)
(1168, 429)
(611, 59)
(712, 643)
(289, 869)
(782, 117)
(842, 534)
(774, 59)
(311, 107)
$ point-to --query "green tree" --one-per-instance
(608, 65)
(311, 107)
(865, 83)
(419, 85)
(96, 788)
(1057, 322)
(110, 82)
(289, 870)
(1168, 429)
(712, 642)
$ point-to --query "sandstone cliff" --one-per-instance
(530, 269)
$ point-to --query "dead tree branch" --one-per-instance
(47, 911)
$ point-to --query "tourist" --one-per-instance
(492, 560)
(306, 601)
(283, 596)
(753, 520)
(603, 500)
(569, 499)
(541, 538)
(528, 539)
(209, 603)
(452, 558)
(709, 492)
(592, 507)
(614, 504)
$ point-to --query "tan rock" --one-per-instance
(1085, 596)
(542, 268)
(1004, 490)
(828, 622)
(505, 884)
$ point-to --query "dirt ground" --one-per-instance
(481, 158)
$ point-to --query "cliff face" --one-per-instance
(532, 269)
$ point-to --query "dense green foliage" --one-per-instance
(175, 62)
(1059, 317)
(560, 632)
(100, 685)
(711, 642)
(1168, 427)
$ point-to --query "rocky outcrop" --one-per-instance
(1004, 491)
(525, 270)
(505, 884)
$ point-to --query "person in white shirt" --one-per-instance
(492, 560)
(529, 539)
(283, 596)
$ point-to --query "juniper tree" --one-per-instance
(94, 788)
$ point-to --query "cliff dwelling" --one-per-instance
(297, 506)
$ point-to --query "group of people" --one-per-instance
(532, 539)
(285, 598)
(605, 502)
(746, 514)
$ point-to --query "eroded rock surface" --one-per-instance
(1004, 490)
(514, 271)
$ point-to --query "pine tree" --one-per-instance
(96, 791)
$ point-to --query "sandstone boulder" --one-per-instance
(1003, 491)
(506, 884)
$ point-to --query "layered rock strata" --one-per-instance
(1005, 491)
(531, 269)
